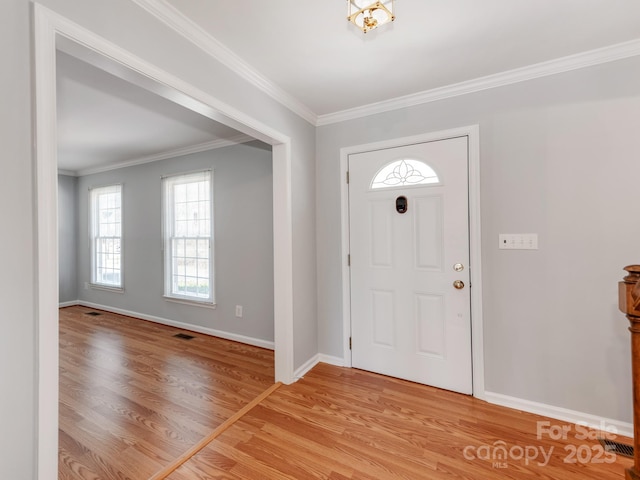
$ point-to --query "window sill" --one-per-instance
(186, 301)
(106, 288)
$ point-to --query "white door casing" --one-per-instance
(407, 319)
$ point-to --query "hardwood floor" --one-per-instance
(135, 401)
(339, 423)
(133, 397)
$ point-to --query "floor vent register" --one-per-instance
(184, 336)
(617, 447)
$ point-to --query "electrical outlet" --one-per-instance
(239, 311)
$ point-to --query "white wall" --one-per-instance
(559, 157)
(67, 238)
(17, 286)
(243, 245)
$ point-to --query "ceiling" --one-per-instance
(105, 122)
(308, 48)
(309, 54)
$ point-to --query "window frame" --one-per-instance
(94, 215)
(168, 227)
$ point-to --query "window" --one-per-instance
(106, 236)
(188, 236)
(404, 172)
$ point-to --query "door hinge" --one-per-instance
(347, 176)
(348, 260)
(349, 343)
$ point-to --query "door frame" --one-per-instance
(52, 32)
(475, 257)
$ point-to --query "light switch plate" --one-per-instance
(518, 241)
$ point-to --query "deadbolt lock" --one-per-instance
(458, 267)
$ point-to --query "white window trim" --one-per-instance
(92, 252)
(166, 247)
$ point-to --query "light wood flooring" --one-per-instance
(133, 397)
(340, 423)
(336, 423)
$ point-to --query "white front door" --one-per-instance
(409, 254)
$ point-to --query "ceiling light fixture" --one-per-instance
(370, 14)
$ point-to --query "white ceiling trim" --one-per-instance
(199, 37)
(551, 67)
(178, 152)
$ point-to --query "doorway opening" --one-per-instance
(54, 32)
(475, 277)
(408, 229)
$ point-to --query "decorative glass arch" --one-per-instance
(404, 172)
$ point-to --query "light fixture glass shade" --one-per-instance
(370, 14)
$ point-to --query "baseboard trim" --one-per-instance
(256, 342)
(559, 413)
(305, 367)
(313, 361)
(72, 303)
(331, 360)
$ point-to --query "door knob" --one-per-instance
(459, 284)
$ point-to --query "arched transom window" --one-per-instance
(404, 172)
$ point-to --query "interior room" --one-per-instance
(142, 139)
(496, 140)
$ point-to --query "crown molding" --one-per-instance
(173, 18)
(198, 36)
(179, 152)
(543, 69)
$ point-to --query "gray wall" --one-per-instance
(17, 290)
(121, 22)
(67, 239)
(243, 218)
(559, 157)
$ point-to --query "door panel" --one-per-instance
(407, 319)
(382, 315)
(381, 238)
(430, 325)
(428, 233)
